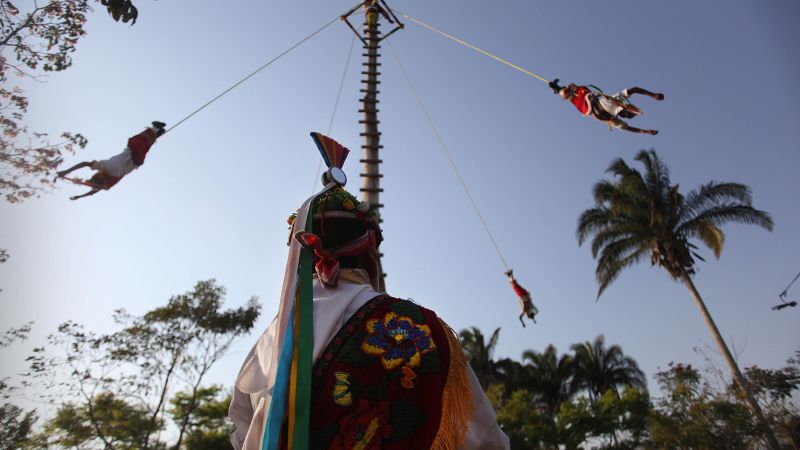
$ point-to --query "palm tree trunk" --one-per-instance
(734, 368)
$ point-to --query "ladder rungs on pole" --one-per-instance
(369, 134)
(370, 121)
(363, 111)
(371, 161)
(371, 175)
(371, 190)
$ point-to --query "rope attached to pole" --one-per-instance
(467, 44)
(264, 66)
(449, 156)
(335, 108)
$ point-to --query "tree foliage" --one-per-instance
(638, 214)
(692, 415)
(34, 42)
(137, 369)
(599, 368)
(550, 400)
(479, 354)
(16, 424)
(208, 427)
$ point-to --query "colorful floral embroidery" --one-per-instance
(398, 340)
(365, 428)
(341, 389)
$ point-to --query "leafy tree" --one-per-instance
(208, 425)
(773, 389)
(599, 368)
(121, 10)
(106, 422)
(16, 425)
(513, 375)
(692, 416)
(637, 214)
(479, 353)
(39, 41)
(615, 421)
(550, 379)
(526, 428)
(168, 349)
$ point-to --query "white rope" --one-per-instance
(335, 108)
(264, 66)
(449, 156)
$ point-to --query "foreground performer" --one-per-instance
(108, 172)
(525, 302)
(387, 373)
(606, 108)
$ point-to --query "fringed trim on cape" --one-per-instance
(457, 405)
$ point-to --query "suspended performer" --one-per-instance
(528, 308)
(108, 172)
(610, 109)
(386, 372)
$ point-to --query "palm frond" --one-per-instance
(656, 174)
(724, 213)
(621, 230)
(712, 236)
(712, 194)
(617, 256)
(593, 220)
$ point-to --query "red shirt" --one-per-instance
(580, 100)
(519, 289)
(140, 145)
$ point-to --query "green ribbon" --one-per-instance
(305, 346)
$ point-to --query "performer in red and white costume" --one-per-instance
(109, 171)
(525, 302)
(606, 108)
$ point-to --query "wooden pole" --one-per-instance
(371, 174)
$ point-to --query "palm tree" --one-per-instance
(638, 214)
(550, 378)
(479, 354)
(599, 368)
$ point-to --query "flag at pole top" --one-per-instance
(332, 152)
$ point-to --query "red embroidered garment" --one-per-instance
(140, 145)
(519, 289)
(580, 100)
(380, 381)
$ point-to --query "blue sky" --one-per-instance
(212, 198)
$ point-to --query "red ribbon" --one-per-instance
(326, 262)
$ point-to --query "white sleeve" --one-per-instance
(484, 432)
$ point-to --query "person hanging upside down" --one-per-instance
(108, 172)
(606, 108)
(528, 309)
